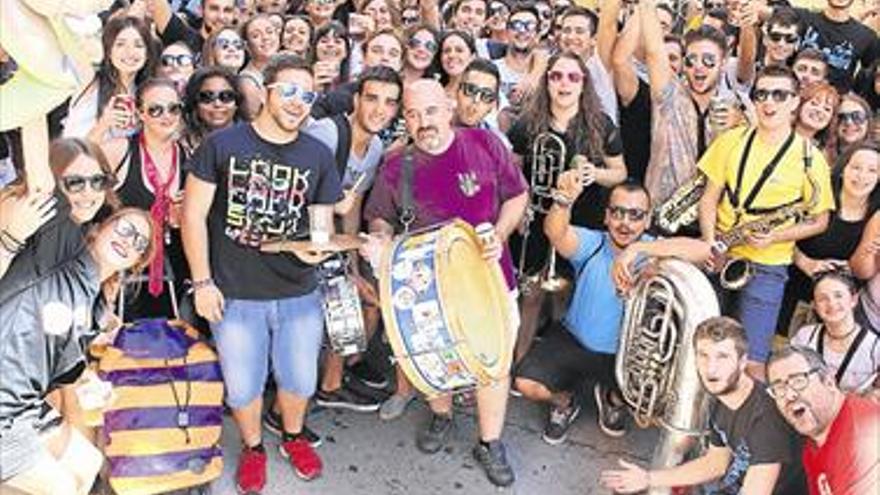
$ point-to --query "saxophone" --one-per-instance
(736, 272)
(656, 366)
(682, 208)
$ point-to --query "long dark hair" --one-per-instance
(468, 40)
(196, 127)
(107, 77)
(586, 130)
(842, 162)
(338, 30)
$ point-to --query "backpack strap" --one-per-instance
(343, 143)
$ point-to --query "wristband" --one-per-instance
(201, 284)
(561, 200)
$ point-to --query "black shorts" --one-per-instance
(562, 364)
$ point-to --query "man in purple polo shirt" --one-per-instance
(464, 173)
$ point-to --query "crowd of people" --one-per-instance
(742, 136)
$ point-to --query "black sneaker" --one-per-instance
(493, 459)
(612, 419)
(368, 375)
(434, 437)
(345, 398)
(272, 423)
(560, 420)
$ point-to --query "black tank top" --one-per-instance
(134, 191)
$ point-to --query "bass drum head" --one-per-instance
(474, 294)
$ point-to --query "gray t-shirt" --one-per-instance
(325, 131)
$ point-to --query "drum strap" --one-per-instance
(407, 212)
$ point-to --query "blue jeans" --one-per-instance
(757, 307)
(289, 330)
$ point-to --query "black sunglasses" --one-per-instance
(77, 183)
(225, 96)
(486, 95)
(856, 117)
(429, 45)
(180, 60)
(707, 59)
(778, 95)
(788, 38)
(634, 214)
(155, 110)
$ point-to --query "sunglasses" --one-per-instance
(778, 95)
(520, 26)
(409, 20)
(225, 43)
(155, 110)
(558, 75)
(856, 117)
(788, 38)
(126, 229)
(633, 214)
(714, 5)
(486, 95)
(429, 45)
(288, 91)
(708, 60)
(498, 9)
(180, 60)
(225, 96)
(77, 183)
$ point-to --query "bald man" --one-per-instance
(469, 174)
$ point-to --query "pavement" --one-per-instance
(365, 455)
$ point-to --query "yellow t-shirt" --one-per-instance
(788, 183)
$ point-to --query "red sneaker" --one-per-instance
(305, 462)
(251, 475)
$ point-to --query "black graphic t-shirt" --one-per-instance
(844, 44)
(263, 192)
(755, 434)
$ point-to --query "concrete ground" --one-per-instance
(364, 455)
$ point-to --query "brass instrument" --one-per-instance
(656, 366)
(736, 272)
(548, 163)
(683, 207)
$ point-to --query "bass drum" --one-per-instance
(446, 310)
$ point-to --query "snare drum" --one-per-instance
(342, 307)
(446, 310)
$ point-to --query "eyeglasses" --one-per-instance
(633, 214)
(179, 60)
(520, 26)
(486, 95)
(226, 43)
(77, 183)
(225, 96)
(778, 95)
(409, 20)
(856, 117)
(156, 110)
(126, 229)
(558, 75)
(708, 60)
(789, 38)
(429, 45)
(796, 381)
(288, 91)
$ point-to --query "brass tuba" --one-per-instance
(736, 272)
(656, 366)
(548, 162)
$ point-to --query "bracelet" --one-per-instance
(201, 284)
(561, 200)
(9, 242)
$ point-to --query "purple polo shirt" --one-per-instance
(470, 180)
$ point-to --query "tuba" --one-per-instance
(736, 272)
(656, 366)
(548, 162)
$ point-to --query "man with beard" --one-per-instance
(171, 28)
(464, 173)
(752, 173)
(248, 184)
(841, 455)
(846, 42)
(518, 62)
(584, 344)
(477, 97)
(751, 450)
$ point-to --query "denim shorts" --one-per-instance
(289, 331)
(757, 307)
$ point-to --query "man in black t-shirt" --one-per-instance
(752, 450)
(247, 184)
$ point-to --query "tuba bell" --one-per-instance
(549, 156)
(656, 366)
